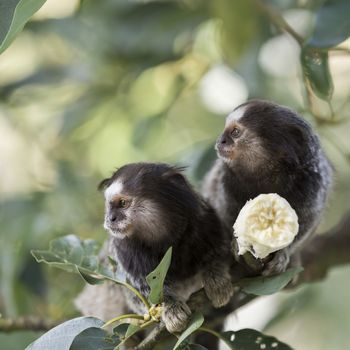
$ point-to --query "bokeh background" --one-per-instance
(91, 85)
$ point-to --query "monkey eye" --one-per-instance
(122, 203)
(235, 132)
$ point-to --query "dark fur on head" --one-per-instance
(267, 148)
(165, 211)
(166, 188)
(285, 136)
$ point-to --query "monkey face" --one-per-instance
(117, 210)
(127, 214)
(239, 144)
(261, 136)
(150, 202)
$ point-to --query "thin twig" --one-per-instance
(31, 323)
(318, 257)
(123, 317)
(278, 21)
(158, 333)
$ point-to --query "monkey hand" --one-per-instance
(235, 250)
(218, 288)
(175, 316)
(277, 264)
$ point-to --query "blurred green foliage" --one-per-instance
(88, 87)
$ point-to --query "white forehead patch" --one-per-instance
(236, 115)
(114, 189)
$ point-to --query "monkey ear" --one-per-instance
(298, 134)
(103, 184)
(295, 149)
(300, 141)
(175, 175)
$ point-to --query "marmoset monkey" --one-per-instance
(267, 148)
(150, 207)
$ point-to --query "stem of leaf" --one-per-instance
(146, 324)
(132, 289)
(122, 317)
(279, 21)
(331, 110)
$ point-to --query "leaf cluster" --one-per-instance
(79, 256)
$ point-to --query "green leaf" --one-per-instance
(239, 25)
(112, 261)
(132, 329)
(135, 27)
(14, 14)
(88, 278)
(94, 339)
(268, 285)
(250, 339)
(121, 330)
(166, 344)
(196, 321)
(62, 336)
(145, 129)
(156, 278)
(72, 254)
(332, 24)
(316, 72)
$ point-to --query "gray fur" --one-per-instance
(104, 301)
(294, 166)
(162, 211)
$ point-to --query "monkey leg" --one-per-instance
(217, 284)
(175, 315)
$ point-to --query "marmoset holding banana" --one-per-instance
(268, 148)
(150, 207)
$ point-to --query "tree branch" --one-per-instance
(278, 21)
(326, 251)
(321, 254)
(31, 323)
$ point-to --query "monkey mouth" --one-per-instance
(118, 229)
(225, 152)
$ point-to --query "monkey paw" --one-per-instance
(278, 264)
(235, 250)
(175, 316)
(219, 290)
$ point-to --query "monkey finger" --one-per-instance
(277, 265)
(175, 316)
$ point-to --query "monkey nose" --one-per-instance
(222, 140)
(112, 218)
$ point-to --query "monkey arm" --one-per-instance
(217, 283)
(323, 253)
(176, 312)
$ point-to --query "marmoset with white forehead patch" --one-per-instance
(268, 148)
(150, 207)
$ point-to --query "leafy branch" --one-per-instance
(278, 21)
(323, 253)
(78, 256)
(314, 57)
(73, 255)
(32, 323)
